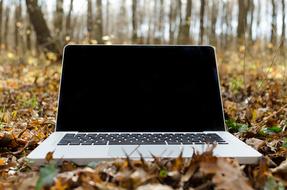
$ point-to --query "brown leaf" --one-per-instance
(49, 156)
(229, 176)
(255, 143)
(281, 170)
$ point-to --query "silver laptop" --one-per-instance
(139, 100)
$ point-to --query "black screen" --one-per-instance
(139, 88)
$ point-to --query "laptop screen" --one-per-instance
(139, 88)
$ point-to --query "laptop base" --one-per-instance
(84, 154)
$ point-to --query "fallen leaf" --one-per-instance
(49, 156)
(255, 143)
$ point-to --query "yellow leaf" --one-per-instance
(2, 161)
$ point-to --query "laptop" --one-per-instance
(139, 101)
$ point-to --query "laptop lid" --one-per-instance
(148, 88)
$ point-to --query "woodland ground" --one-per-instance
(254, 91)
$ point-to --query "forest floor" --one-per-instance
(254, 91)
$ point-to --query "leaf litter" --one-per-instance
(255, 111)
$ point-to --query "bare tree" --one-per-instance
(99, 22)
(122, 21)
(28, 37)
(90, 23)
(160, 25)
(44, 39)
(17, 24)
(183, 35)
(283, 37)
(179, 16)
(134, 21)
(251, 7)
(172, 19)
(202, 8)
(6, 27)
(1, 17)
(214, 13)
(58, 23)
(59, 16)
(107, 24)
(273, 24)
(242, 19)
(68, 22)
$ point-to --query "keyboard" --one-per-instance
(140, 139)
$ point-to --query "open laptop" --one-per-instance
(139, 100)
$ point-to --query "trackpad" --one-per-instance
(146, 151)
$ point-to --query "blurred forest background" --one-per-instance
(37, 25)
(250, 39)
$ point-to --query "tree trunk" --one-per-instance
(283, 25)
(43, 35)
(179, 16)
(107, 24)
(99, 22)
(172, 19)
(134, 21)
(1, 13)
(58, 23)
(28, 37)
(202, 7)
(251, 15)
(68, 35)
(183, 35)
(214, 14)
(59, 16)
(273, 24)
(122, 22)
(242, 19)
(17, 25)
(6, 29)
(90, 22)
(161, 22)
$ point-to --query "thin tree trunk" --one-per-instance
(134, 21)
(68, 35)
(17, 25)
(58, 23)
(6, 29)
(1, 13)
(107, 24)
(43, 35)
(161, 22)
(172, 19)
(214, 14)
(121, 22)
(90, 22)
(273, 24)
(251, 15)
(242, 19)
(283, 25)
(258, 21)
(99, 22)
(179, 15)
(155, 23)
(183, 35)
(59, 16)
(202, 8)
(28, 36)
